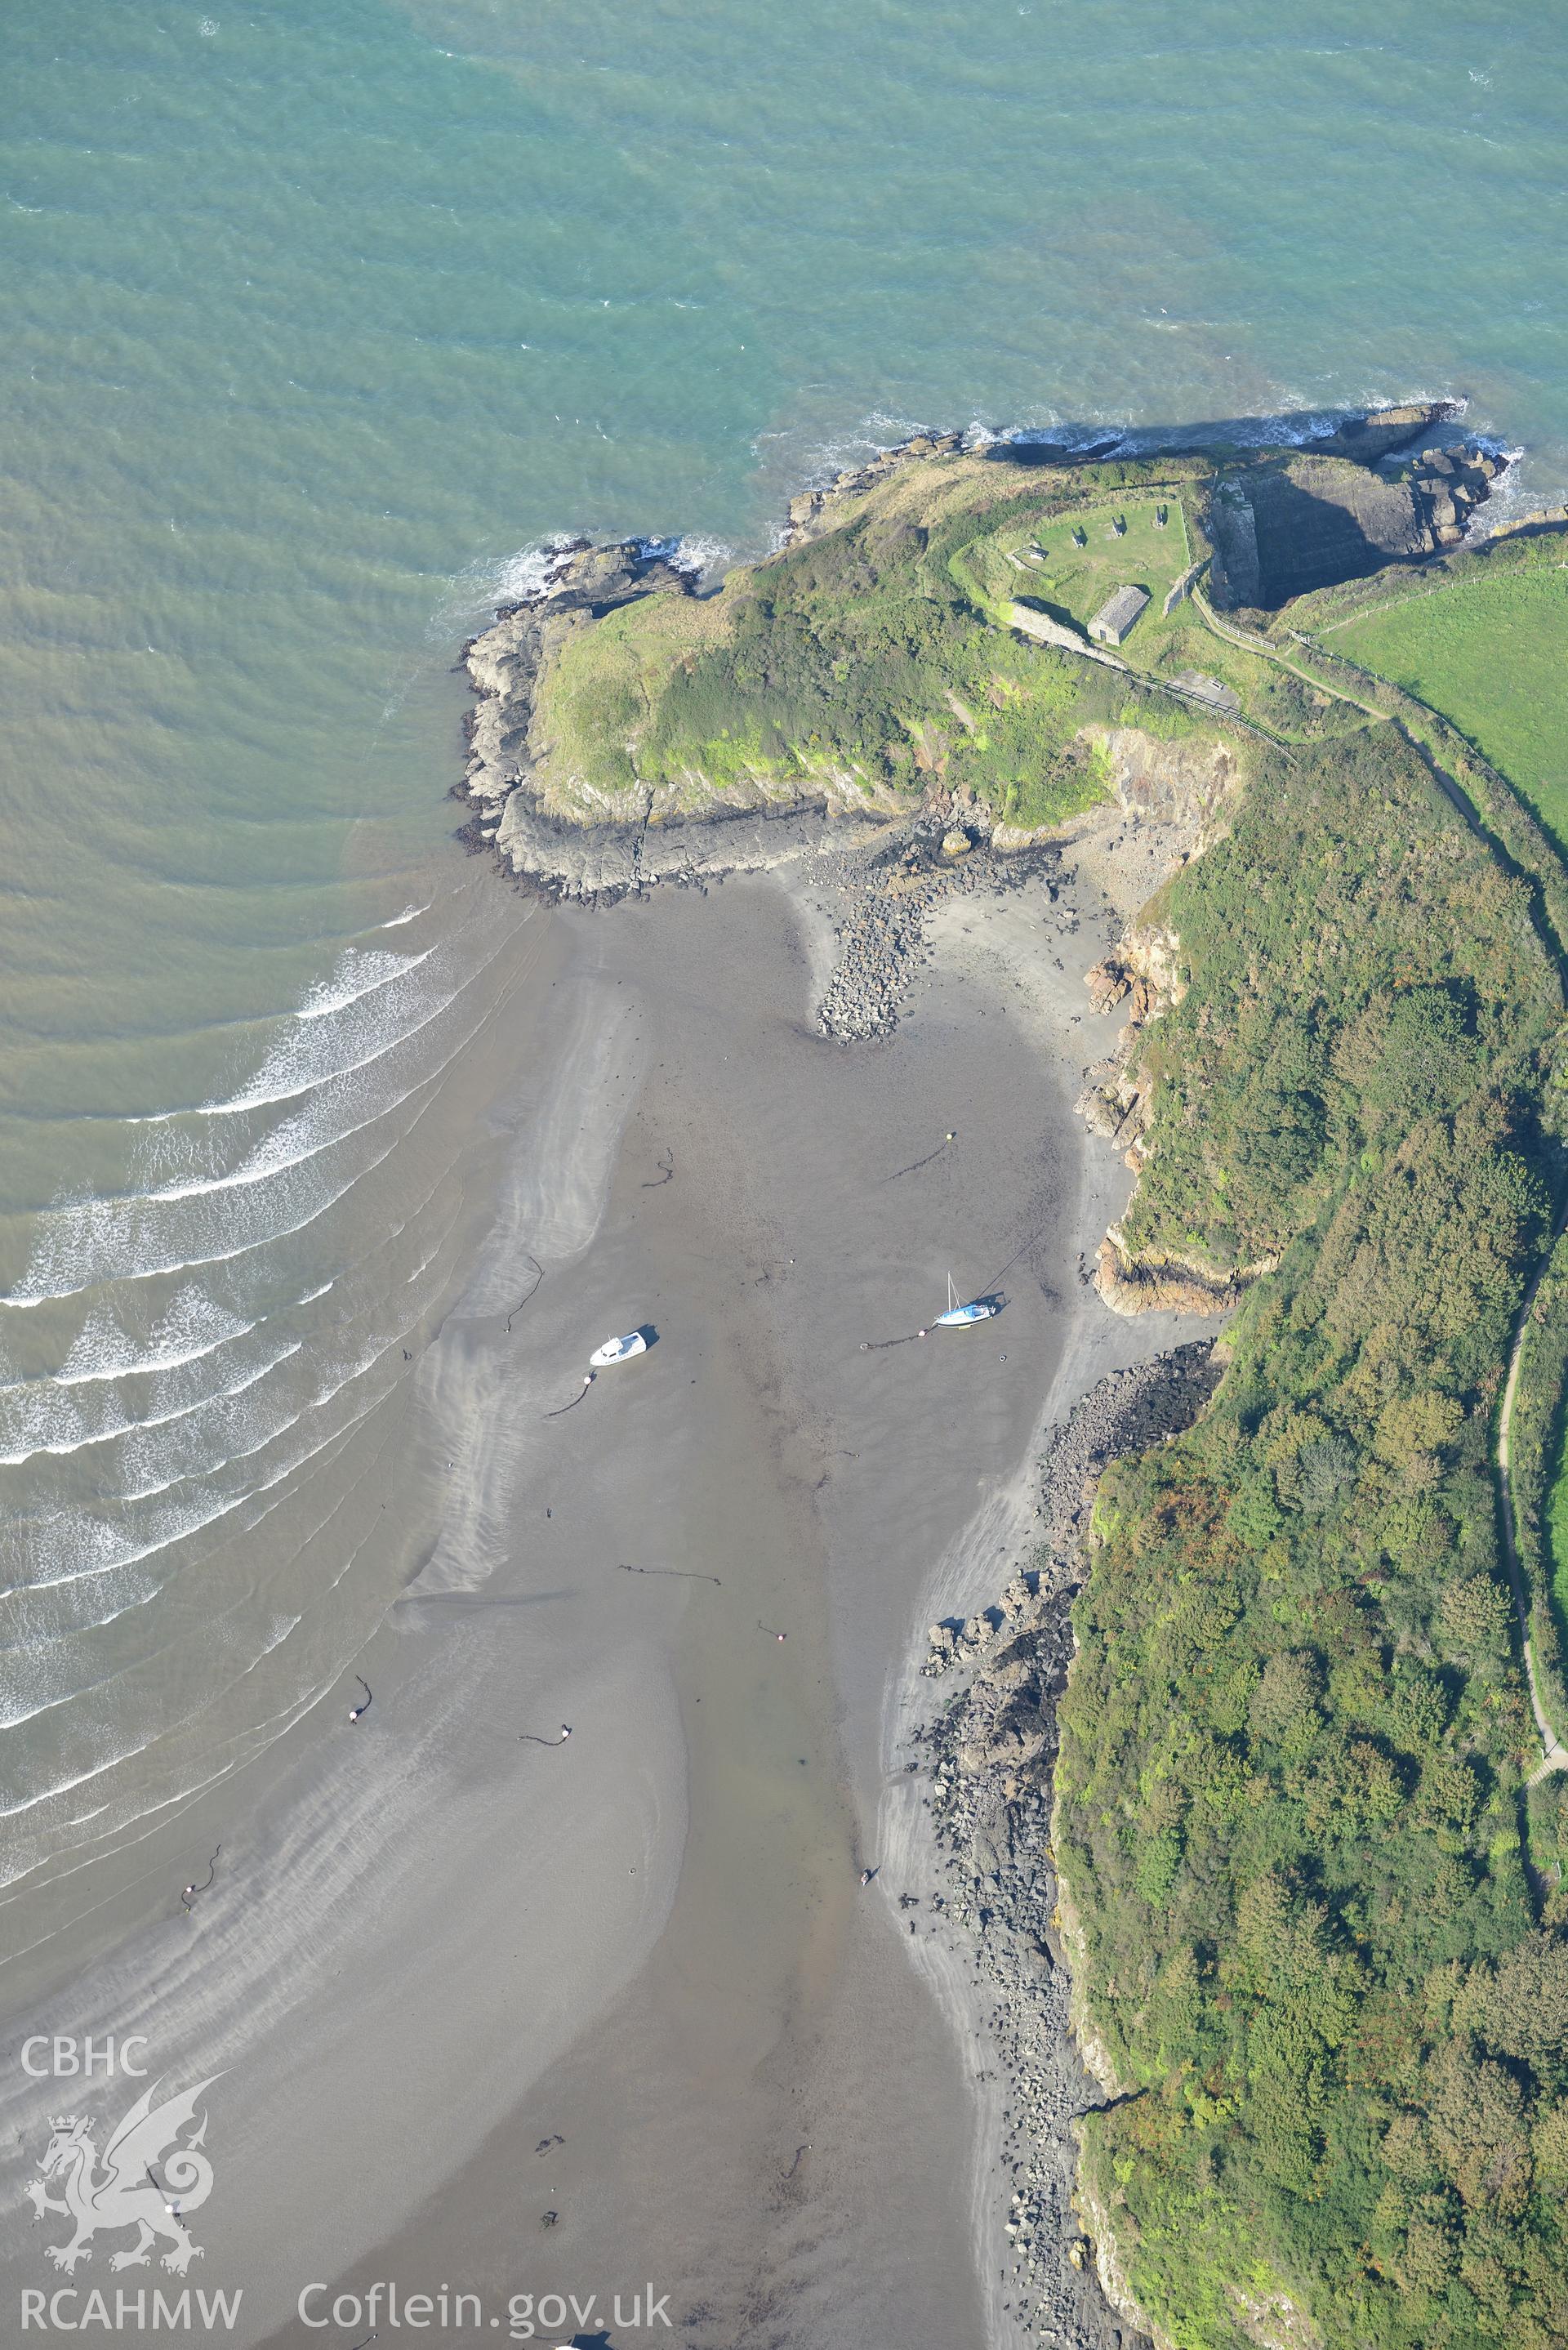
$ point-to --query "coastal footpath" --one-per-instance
(1248, 1751)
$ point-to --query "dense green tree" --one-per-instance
(1289, 1787)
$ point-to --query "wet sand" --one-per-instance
(440, 1945)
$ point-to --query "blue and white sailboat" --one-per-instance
(959, 1317)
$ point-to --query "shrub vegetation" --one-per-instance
(1290, 1789)
(883, 652)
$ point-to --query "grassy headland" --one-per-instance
(876, 661)
(867, 663)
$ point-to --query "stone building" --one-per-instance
(1111, 622)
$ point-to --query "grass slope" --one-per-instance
(1289, 1788)
(878, 658)
(1490, 650)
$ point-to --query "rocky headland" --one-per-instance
(557, 828)
(887, 844)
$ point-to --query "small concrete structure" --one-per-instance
(1113, 621)
(1218, 696)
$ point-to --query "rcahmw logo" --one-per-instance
(152, 2176)
(69, 2310)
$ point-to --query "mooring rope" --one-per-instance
(587, 1382)
(914, 1165)
(188, 1897)
(689, 1573)
(538, 1277)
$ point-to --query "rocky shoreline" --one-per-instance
(989, 1752)
(558, 858)
(885, 894)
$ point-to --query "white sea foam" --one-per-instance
(818, 464)
(236, 1752)
(80, 1547)
(38, 1621)
(370, 1022)
(41, 1616)
(64, 1429)
(84, 1243)
(472, 594)
(360, 972)
(429, 1259)
(222, 1440)
(42, 1287)
(704, 557)
(206, 1429)
(526, 574)
(192, 1326)
(300, 1062)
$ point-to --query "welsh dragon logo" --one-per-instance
(149, 2181)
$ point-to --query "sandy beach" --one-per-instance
(452, 1981)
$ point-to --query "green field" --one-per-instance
(1490, 652)
(1039, 558)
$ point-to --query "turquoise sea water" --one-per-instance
(318, 320)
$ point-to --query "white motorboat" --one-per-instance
(960, 1317)
(618, 1351)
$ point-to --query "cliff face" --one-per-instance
(1143, 975)
(1309, 521)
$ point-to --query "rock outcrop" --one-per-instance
(1142, 976)
(1288, 525)
(1151, 1284)
(578, 582)
(595, 864)
(1185, 786)
(569, 855)
(888, 894)
(816, 511)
